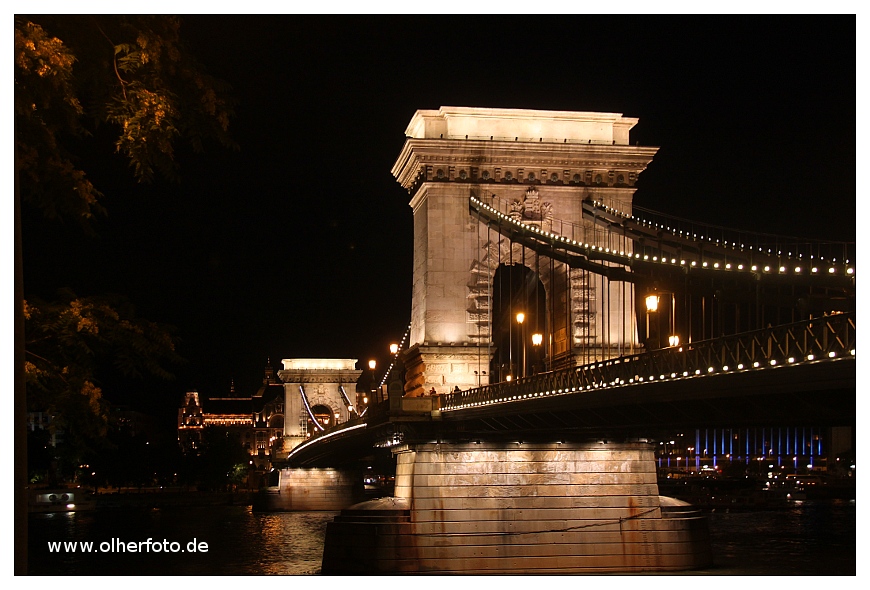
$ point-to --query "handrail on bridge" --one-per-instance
(827, 338)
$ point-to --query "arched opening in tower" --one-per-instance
(324, 416)
(520, 326)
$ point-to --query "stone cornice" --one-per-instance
(319, 376)
(418, 154)
(495, 122)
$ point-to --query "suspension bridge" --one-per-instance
(555, 330)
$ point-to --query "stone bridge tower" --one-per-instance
(316, 390)
(541, 166)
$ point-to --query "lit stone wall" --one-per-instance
(451, 122)
(520, 508)
(321, 379)
(314, 489)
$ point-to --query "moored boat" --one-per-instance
(60, 500)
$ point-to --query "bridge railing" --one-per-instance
(778, 245)
(818, 340)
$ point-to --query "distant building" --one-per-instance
(257, 419)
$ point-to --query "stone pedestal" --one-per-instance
(521, 509)
(444, 367)
(312, 489)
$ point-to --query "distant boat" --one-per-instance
(60, 500)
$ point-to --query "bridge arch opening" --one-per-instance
(324, 416)
(518, 293)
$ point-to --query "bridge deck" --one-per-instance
(799, 374)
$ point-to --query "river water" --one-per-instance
(808, 538)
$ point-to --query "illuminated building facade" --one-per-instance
(257, 420)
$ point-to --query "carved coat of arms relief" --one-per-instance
(532, 210)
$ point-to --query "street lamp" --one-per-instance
(520, 319)
(394, 348)
(372, 365)
(537, 339)
(652, 305)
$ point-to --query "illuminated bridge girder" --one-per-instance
(798, 374)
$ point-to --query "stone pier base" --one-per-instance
(311, 489)
(519, 509)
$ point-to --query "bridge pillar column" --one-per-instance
(312, 489)
(537, 167)
(519, 508)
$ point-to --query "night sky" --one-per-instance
(300, 243)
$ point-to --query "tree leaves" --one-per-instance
(47, 109)
(66, 341)
(75, 73)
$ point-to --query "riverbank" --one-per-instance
(746, 493)
(80, 500)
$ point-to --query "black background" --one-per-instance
(300, 244)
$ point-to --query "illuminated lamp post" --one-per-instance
(537, 339)
(395, 377)
(652, 306)
(372, 365)
(520, 319)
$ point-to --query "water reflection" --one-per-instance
(239, 541)
(808, 538)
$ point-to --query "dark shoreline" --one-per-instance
(145, 499)
(710, 494)
(167, 499)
